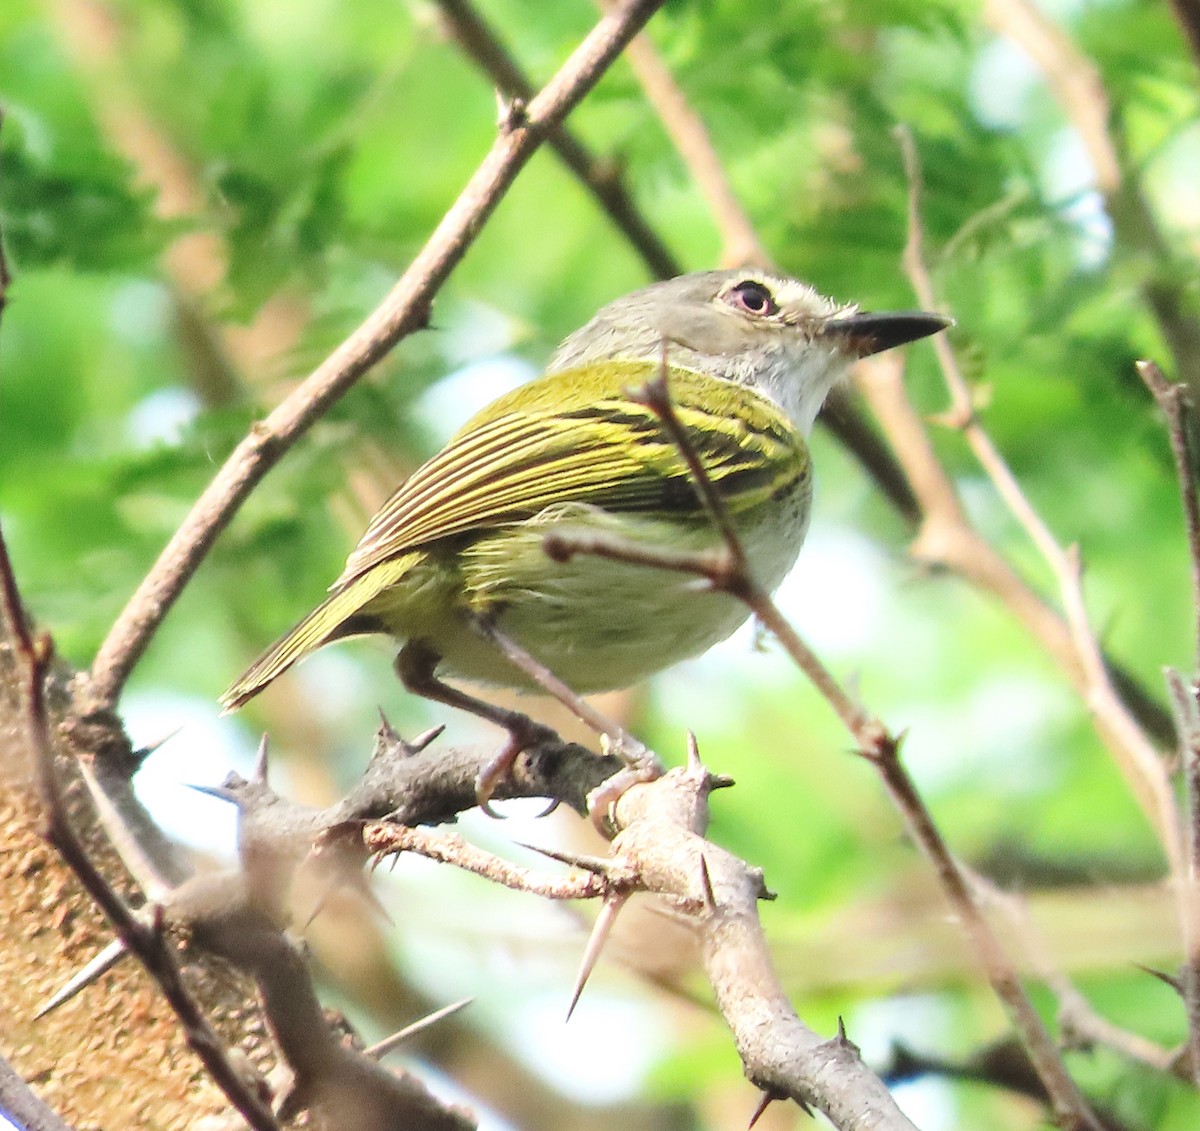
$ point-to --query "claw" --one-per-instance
(523, 734)
(601, 800)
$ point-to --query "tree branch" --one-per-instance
(146, 941)
(661, 842)
(741, 245)
(599, 176)
(406, 308)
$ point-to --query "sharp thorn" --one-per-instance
(765, 1100)
(1162, 976)
(373, 900)
(601, 929)
(694, 764)
(389, 1044)
(600, 865)
(386, 731)
(710, 897)
(144, 752)
(261, 760)
(425, 738)
(105, 960)
(217, 791)
(357, 883)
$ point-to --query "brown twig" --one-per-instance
(881, 748)
(1073, 77)
(947, 536)
(1079, 1022)
(686, 129)
(404, 309)
(1172, 400)
(386, 838)
(147, 942)
(600, 177)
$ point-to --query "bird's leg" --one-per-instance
(416, 666)
(641, 763)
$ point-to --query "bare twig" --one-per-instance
(405, 309)
(1073, 77)
(600, 177)
(1079, 1022)
(1070, 1108)
(686, 129)
(147, 942)
(1172, 400)
(1077, 85)
(386, 838)
(947, 536)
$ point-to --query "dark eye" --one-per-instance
(752, 297)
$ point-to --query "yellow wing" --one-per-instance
(575, 437)
(570, 437)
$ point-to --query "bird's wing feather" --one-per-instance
(566, 439)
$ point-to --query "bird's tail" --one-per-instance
(338, 616)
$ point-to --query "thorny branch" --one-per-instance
(147, 942)
(273, 444)
(741, 245)
(661, 842)
(388, 838)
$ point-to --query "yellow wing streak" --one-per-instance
(567, 439)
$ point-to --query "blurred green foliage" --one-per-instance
(322, 142)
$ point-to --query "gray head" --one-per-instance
(749, 326)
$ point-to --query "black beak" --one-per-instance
(864, 334)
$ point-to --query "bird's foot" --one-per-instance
(523, 734)
(641, 765)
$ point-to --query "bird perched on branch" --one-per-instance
(748, 357)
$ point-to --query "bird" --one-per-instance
(748, 357)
